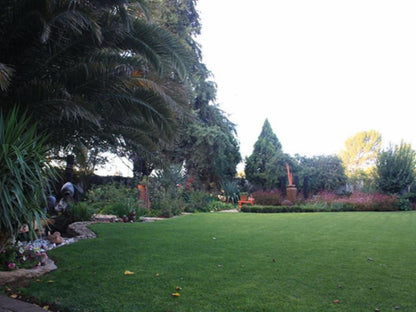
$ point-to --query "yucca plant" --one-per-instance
(231, 192)
(24, 174)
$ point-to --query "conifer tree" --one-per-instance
(266, 149)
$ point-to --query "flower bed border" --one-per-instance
(78, 229)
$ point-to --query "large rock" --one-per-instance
(80, 230)
(7, 277)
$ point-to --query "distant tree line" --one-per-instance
(363, 166)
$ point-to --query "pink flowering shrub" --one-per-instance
(358, 201)
(267, 198)
(22, 256)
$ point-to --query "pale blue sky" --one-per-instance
(319, 70)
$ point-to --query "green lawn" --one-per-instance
(241, 262)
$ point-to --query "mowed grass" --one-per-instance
(241, 262)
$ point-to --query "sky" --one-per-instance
(320, 70)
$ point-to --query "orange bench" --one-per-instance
(249, 200)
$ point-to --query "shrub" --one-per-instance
(331, 202)
(218, 205)
(396, 168)
(167, 194)
(230, 189)
(272, 197)
(198, 201)
(167, 207)
(358, 201)
(81, 211)
(404, 204)
(114, 198)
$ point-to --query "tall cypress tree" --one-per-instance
(266, 148)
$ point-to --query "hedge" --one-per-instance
(323, 207)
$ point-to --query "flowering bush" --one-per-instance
(22, 256)
(358, 201)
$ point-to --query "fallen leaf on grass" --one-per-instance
(46, 308)
(335, 301)
(127, 272)
(50, 282)
(38, 280)
(178, 288)
(14, 296)
(8, 289)
(176, 294)
(157, 274)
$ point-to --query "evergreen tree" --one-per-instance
(205, 143)
(267, 150)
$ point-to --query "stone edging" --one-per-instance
(7, 277)
(80, 230)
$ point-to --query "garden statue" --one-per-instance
(60, 217)
(291, 189)
(67, 193)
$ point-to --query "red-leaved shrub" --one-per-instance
(267, 198)
(360, 201)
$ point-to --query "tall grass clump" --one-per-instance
(24, 174)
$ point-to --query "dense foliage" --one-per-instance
(268, 198)
(361, 151)
(324, 173)
(95, 72)
(24, 174)
(396, 168)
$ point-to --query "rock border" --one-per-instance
(7, 277)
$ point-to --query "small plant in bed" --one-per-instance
(22, 256)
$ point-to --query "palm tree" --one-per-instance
(92, 71)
